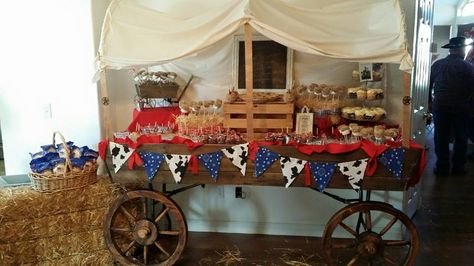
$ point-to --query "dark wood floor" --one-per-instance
(445, 224)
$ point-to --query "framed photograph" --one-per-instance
(272, 64)
(366, 72)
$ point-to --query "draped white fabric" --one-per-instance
(140, 33)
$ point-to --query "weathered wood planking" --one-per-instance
(229, 174)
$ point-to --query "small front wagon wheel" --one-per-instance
(137, 231)
(365, 238)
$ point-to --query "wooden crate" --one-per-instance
(151, 91)
(266, 117)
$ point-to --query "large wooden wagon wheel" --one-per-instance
(368, 243)
(137, 231)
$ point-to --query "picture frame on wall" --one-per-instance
(366, 72)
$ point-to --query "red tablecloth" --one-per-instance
(160, 116)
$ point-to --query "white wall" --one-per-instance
(267, 210)
(440, 38)
(47, 58)
(444, 13)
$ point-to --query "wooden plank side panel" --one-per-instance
(229, 174)
(259, 123)
(267, 108)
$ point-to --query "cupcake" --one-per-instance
(352, 93)
(350, 112)
(359, 114)
(344, 129)
(361, 94)
(380, 94)
(369, 115)
(379, 131)
(352, 126)
(372, 94)
(380, 113)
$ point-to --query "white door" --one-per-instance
(420, 86)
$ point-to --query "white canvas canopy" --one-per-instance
(144, 32)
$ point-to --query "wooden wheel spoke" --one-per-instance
(158, 245)
(117, 229)
(129, 247)
(389, 259)
(128, 214)
(348, 229)
(145, 207)
(344, 245)
(388, 226)
(145, 254)
(353, 260)
(161, 215)
(169, 232)
(368, 220)
(397, 243)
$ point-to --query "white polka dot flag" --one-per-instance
(120, 154)
(291, 169)
(152, 162)
(322, 173)
(393, 159)
(264, 159)
(238, 155)
(354, 171)
(177, 164)
(212, 162)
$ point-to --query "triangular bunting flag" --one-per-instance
(392, 159)
(238, 155)
(322, 173)
(291, 168)
(152, 162)
(263, 159)
(120, 154)
(212, 162)
(354, 171)
(177, 164)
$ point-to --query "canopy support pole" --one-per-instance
(249, 80)
(406, 127)
(105, 118)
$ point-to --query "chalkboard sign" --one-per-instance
(270, 64)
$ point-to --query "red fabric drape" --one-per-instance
(152, 116)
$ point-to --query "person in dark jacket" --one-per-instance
(452, 84)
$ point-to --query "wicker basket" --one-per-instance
(69, 180)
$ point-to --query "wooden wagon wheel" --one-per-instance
(368, 245)
(137, 233)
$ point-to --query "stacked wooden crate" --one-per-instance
(267, 117)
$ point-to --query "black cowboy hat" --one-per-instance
(456, 42)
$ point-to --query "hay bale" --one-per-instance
(24, 203)
(63, 228)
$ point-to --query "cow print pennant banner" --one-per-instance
(212, 162)
(238, 155)
(263, 159)
(291, 168)
(354, 171)
(393, 159)
(120, 154)
(322, 173)
(152, 162)
(177, 164)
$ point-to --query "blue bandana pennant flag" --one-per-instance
(322, 173)
(152, 162)
(264, 159)
(393, 159)
(212, 162)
